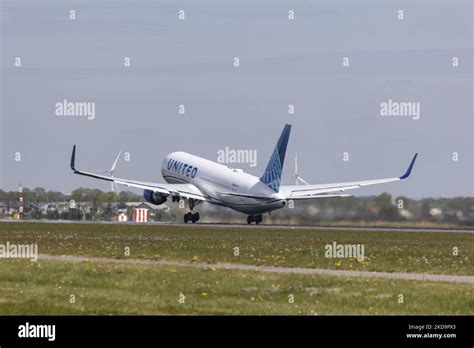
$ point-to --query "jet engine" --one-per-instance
(153, 197)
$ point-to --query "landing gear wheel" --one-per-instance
(254, 218)
(250, 219)
(195, 218)
(187, 217)
(191, 217)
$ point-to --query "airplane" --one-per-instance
(199, 180)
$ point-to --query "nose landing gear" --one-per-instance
(254, 218)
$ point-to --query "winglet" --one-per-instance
(408, 172)
(73, 158)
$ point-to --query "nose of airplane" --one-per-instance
(165, 162)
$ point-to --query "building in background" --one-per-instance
(141, 213)
(122, 217)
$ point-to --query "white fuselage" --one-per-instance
(220, 184)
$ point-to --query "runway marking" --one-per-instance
(289, 270)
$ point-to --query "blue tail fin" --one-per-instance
(272, 174)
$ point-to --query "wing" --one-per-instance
(183, 190)
(337, 189)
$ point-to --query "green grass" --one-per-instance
(418, 252)
(45, 287)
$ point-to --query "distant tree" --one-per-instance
(388, 211)
(40, 194)
(111, 197)
(127, 196)
(80, 195)
(425, 209)
(460, 203)
(54, 196)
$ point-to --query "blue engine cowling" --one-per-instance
(154, 197)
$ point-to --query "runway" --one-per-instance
(288, 270)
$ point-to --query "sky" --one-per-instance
(339, 131)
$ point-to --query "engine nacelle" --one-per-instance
(154, 197)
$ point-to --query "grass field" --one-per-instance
(419, 252)
(45, 287)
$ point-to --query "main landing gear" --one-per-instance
(192, 216)
(254, 218)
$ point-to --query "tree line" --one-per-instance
(94, 196)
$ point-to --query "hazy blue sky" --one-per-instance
(282, 61)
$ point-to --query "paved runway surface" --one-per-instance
(289, 270)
